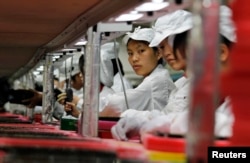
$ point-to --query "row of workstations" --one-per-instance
(26, 140)
(23, 140)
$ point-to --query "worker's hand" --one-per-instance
(70, 108)
(61, 98)
(35, 100)
(126, 127)
(159, 125)
(179, 125)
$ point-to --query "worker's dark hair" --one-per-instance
(73, 78)
(115, 66)
(180, 43)
(81, 63)
(225, 41)
(156, 50)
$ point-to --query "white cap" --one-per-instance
(56, 73)
(72, 65)
(75, 64)
(227, 27)
(74, 69)
(110, 48)
(171, 24)
(140, 34)
(39, 78)
(108, 52)
(62, 76)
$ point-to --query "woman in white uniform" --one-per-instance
(153, 92)
(173, 119)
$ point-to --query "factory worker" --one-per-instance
(77, 78)
(106, 79)
(173, 119)
(153, 92)
(224, 117)
(111, 50)
(133, 120)
(62, 79)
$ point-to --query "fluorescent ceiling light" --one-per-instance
(150, 6)
(56, 56)
(39, 68)
(68, 49)
(128, 17)
(157, 1)
(36, 72)
(80, 43)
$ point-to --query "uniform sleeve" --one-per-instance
(224, 119)
(138, 114)
(179, 99)
(138, 98)
(151, 94)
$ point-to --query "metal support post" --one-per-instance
(48, 87)
(204, 72)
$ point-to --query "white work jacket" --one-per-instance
(179, 98)
(151, 94)
(117, 86)
(224, 120)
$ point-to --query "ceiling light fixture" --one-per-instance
(81, 43)
(66, 50)
(151, 6)
(129, 17)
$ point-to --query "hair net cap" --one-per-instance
(56, 73)
(108, 52)
(171, 24)
(62, 75)
(72, 65)
(74, 70)
(140, 34)
(110, 49)
(227, 28)
(39, 78)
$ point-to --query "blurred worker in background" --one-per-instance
(171, 37)
(70, 71)
(108, 72)
(111, 50)
(76, 82)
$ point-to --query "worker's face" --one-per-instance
(56, 84)
(176, 62)
(142, 58)
(61, 84)
(78, 82)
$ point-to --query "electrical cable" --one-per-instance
(120, 74)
